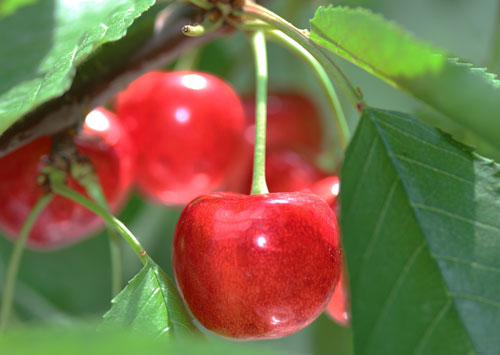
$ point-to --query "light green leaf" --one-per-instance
(421, 231)
(150, 303)
(469, 95)
(7, 7)
(42, 43)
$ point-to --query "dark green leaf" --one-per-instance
(421, 231)
(469, 95)
(150, 303)
(42, 43)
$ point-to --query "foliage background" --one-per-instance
(64, 286)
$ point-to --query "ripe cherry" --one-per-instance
(112, 154)
(293, 121)
(289, 171)
(258, 266)
(188, 128)
(328, 189)
(339, 306)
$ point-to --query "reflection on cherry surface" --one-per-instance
(258, 266)
(188, 128)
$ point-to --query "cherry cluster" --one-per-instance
(248, 266)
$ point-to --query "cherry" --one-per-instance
(328, 189)
(288, 171)
(293, 125)
(258, 266)
(339, 306)
(111, 152)
(188, 128)
(292, 121)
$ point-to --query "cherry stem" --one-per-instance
(61, 189)
(254, 11)
(15, 258)
(343, 133)
(85, 175)
(259, 185)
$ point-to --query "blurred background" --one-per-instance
(65, 286)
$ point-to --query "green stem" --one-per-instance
(86, 176)
(333, 100)
(495, 50)
(15, 258)
(254, 11)
(63, 190)
(259, 185)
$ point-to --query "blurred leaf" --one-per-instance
(9, 6)
(421, 234)
(331, 338)
(150, 303)
(42, 43)
(469, 95)
(84, 340)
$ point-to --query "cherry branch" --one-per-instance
(93, 86)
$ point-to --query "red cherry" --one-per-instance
(292, 121)
(339, 306)
(288, 171)
(259, 266)
(63, 222)
(328, 189)
(188, 128)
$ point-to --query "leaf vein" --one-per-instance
(428, 332)
(475, 298)
(395, 287)
(422, 141)
(430, 167)
(455, 216)
(467, 262)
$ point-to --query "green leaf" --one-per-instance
(84, 340)
(469, 95)
(421, 231)
(41, 44)
(150, 303)
(7, 7)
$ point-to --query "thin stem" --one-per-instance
(495, 50)
(254, 11)
(259, 185)
(333, 100)
(15, 258)
(86, 176)
(63, 190)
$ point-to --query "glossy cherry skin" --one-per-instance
(188, 128)
(339, 306)
(328, 189)
(293, 121)
(63, 222)
(259, 266)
